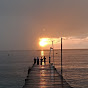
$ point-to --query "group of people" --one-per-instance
(41, 60)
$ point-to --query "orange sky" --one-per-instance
(68, 43)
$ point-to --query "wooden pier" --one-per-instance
(44, 76)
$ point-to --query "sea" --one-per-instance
(14, 66)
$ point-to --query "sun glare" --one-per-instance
(47, 42)
(43, 42)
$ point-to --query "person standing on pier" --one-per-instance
(41, 60)
(37, 61)
(34, 60)
(44, 59)
(49, 59)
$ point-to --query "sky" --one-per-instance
(24, 22)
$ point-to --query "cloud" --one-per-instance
(68, 43)
(75, 43)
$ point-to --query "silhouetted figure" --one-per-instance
(37, 61)
(49, 59)
(34, 60)
(41, 60)
(44, 59)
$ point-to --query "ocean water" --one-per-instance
(13, 68)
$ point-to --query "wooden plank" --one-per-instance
(44, 76)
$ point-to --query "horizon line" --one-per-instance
(45, 49)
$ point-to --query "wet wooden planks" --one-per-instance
(44, 76)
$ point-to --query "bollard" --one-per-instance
(29, 70)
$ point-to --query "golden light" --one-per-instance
(43, 42)
(47, 42)
(42, 53)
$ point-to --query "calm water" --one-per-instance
(13, 68)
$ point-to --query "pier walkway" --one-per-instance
(44, 76)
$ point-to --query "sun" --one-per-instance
(43, 42)
(47, 42)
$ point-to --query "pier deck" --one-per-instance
(44, 76)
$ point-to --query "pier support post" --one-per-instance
(61, 58)
(53, 52)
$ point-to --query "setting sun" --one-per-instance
(47, 42)
(43, 42)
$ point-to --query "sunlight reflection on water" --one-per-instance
(13, 69)
(42, 53)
